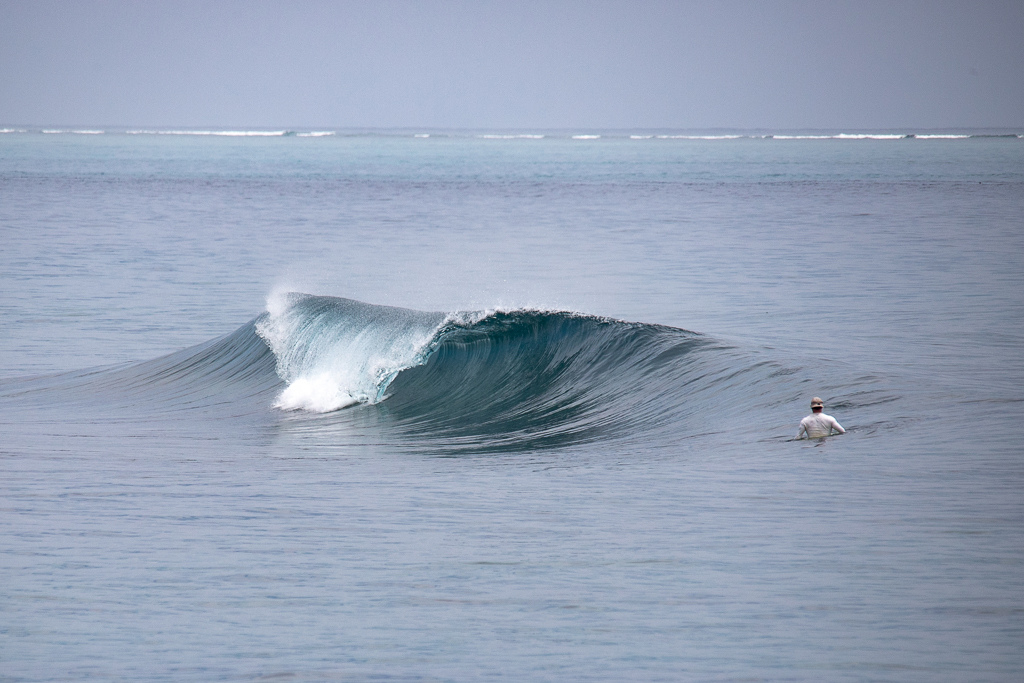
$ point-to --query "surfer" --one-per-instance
(818, 424)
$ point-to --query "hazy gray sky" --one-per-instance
(593, 64)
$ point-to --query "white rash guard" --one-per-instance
(817, 425)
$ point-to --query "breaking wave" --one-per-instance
(482, 381)
(497, 378)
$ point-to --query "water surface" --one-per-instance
(575, 367)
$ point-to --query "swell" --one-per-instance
(233, 374)
(480, 381)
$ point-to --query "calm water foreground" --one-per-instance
(549, 496)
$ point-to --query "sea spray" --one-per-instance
(334, 352)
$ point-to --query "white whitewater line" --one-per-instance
(842, 136)
(699, 137)
(224, 133)
(870, 136)
(510, 137)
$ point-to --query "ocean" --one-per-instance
(520, 405)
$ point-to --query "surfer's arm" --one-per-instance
(837, 428)
(803, 431)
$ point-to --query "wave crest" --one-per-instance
(335, 352)
(510, 377)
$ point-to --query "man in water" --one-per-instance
(818, 424)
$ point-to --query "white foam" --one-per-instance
(841, 136)
(523, 136)
(13, 130)
(869, 136)
(247, 133)
(54, 131)
(699, 137)
(224, 133)
(586, 137)
(640, 137)
(317, 394)
(422, 135)
(941, 137)
(316, 134)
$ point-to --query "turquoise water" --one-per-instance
(578, 365)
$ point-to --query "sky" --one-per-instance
(513, 65)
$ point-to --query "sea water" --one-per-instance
(434, 405)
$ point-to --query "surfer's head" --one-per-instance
(817, 405)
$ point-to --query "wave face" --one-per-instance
(500, 371)
(468, 381)
(491, 380)
(543, 378)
